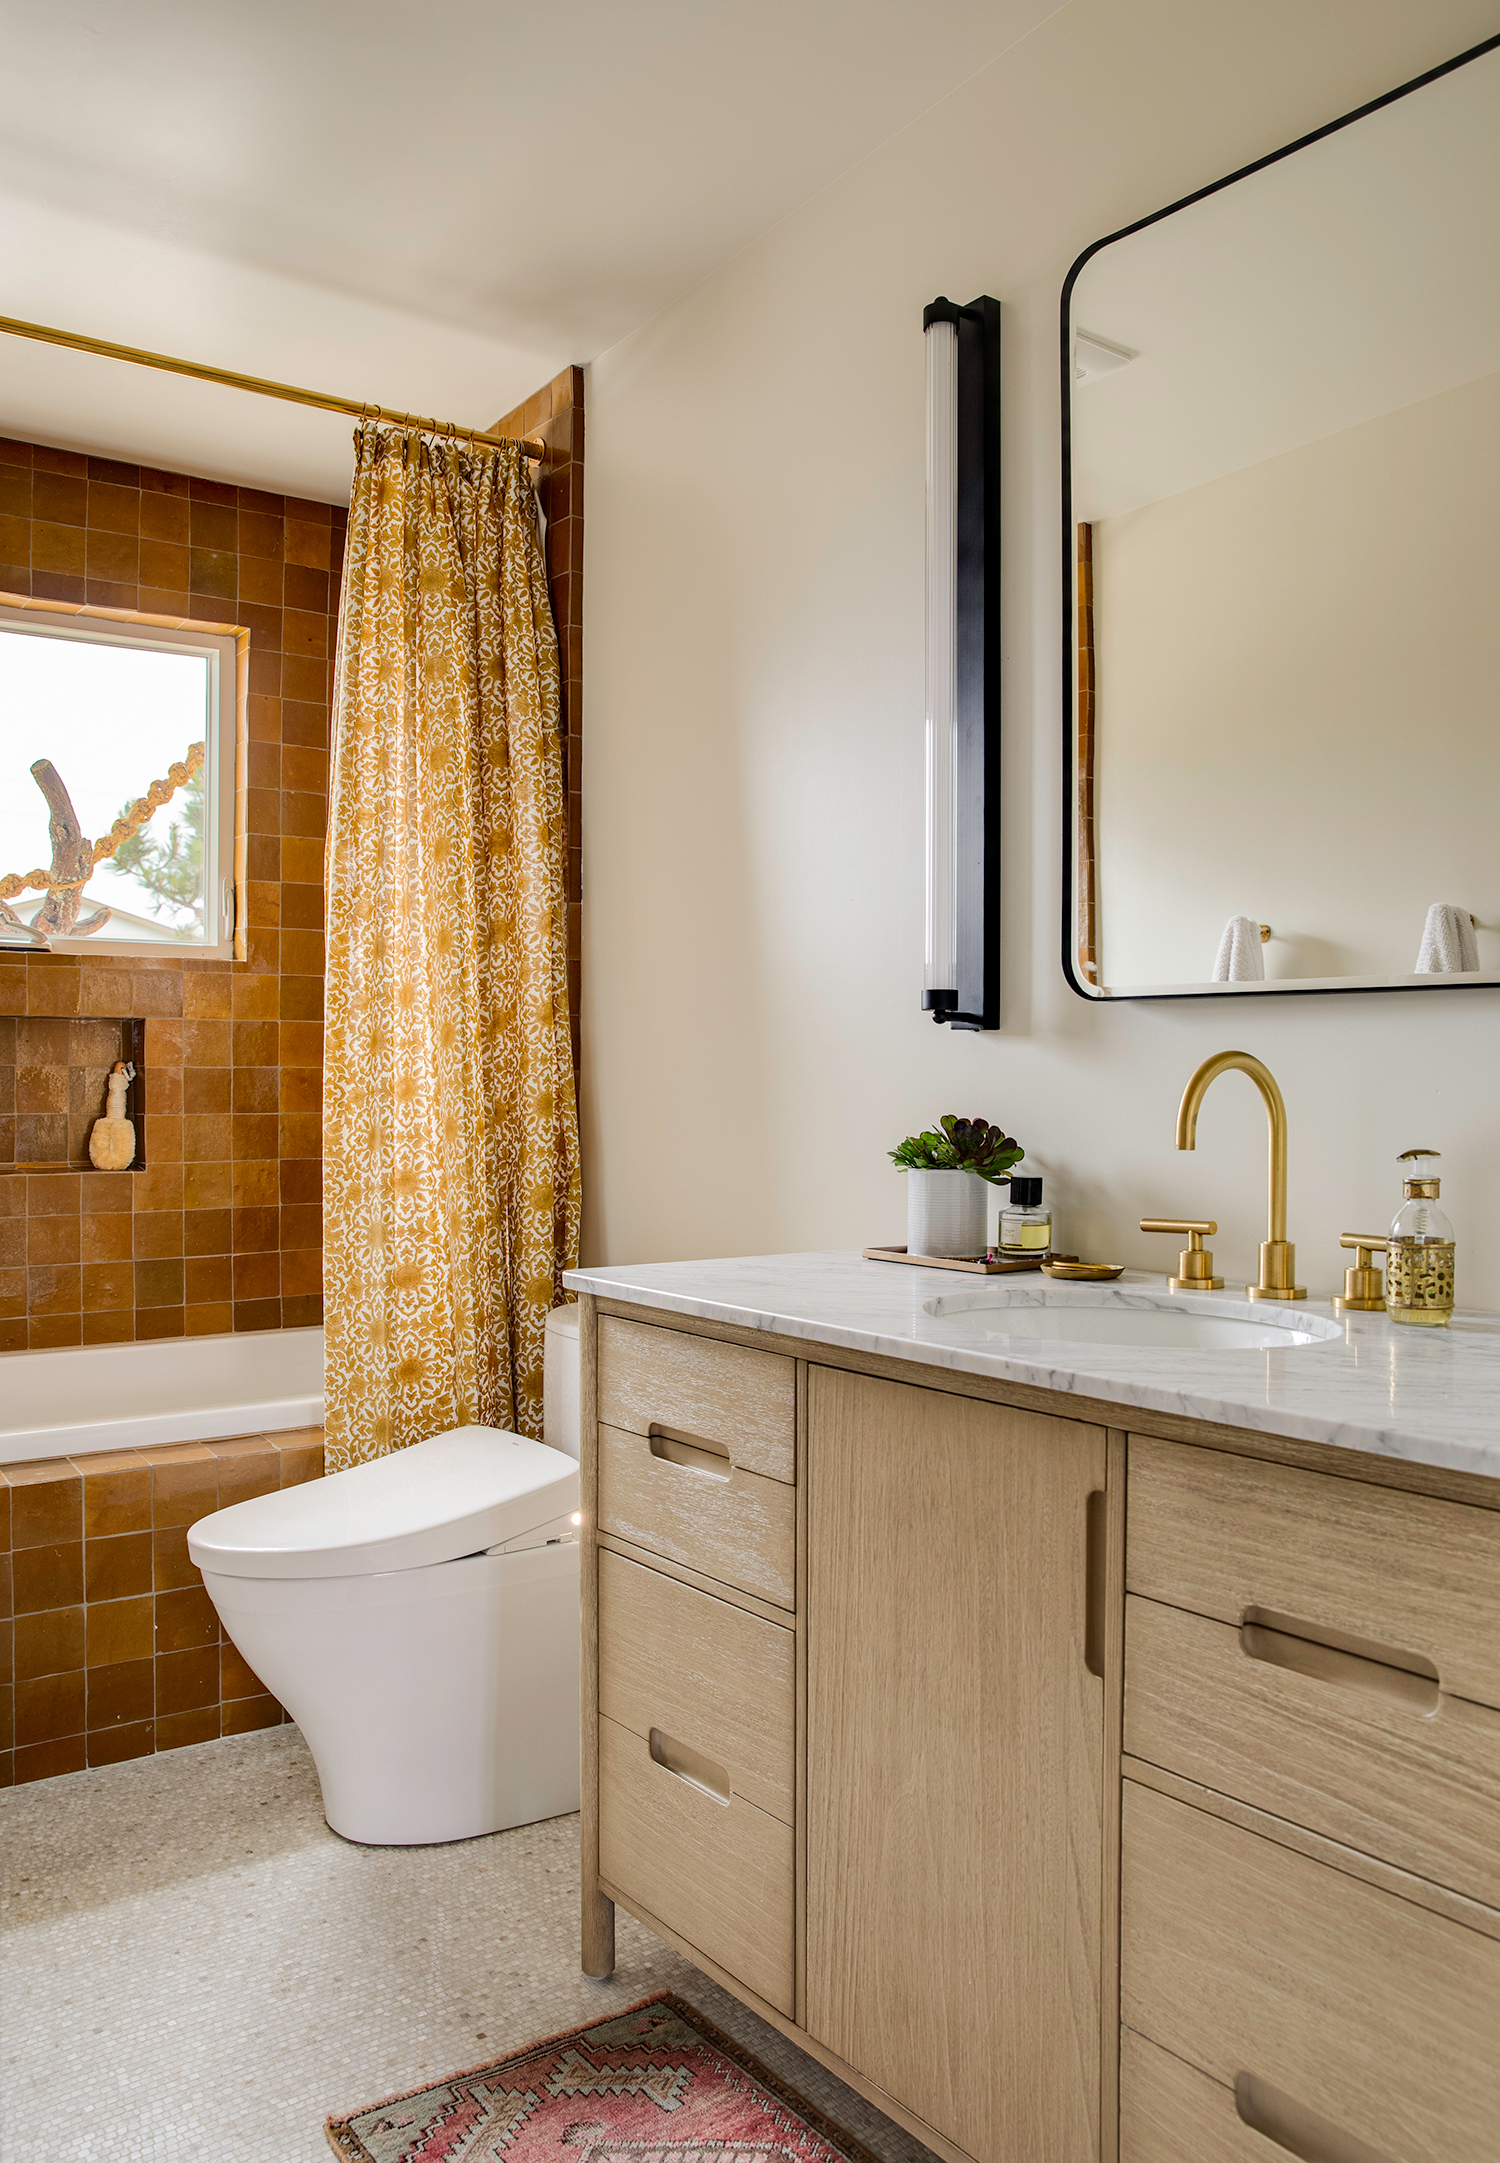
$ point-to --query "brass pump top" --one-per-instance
(1420, 1186)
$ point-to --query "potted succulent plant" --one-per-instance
(947, 1172)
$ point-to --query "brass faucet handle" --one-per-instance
(1195, 1265)
(1364, 1292)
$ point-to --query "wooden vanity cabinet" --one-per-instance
(1078, 1797)
(848, 1731)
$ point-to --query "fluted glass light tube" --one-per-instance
(941, 964)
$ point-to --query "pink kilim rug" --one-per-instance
(656, 2084)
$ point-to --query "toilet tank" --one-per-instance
(560, 1424)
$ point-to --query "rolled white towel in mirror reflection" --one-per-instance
(1448, 942)
(1239, 959)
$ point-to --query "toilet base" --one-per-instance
(439, 1703)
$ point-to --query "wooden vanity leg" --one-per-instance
(597, 1931)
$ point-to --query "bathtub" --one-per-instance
(137, 1396)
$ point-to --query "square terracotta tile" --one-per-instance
(53, 1239)
(46, 1503)
(105, 1239)
(242, 1715)
(107, 1286)
(210, 1279)
(117, 1496)
(115, 1745)
(207, 1185)
(187, 1680)
(119, 1567)
(161, 1186)
(178, 1730)
(246, 1469)
(172, 1566)
(158, 1284)
(120, 1695)
(236, 1677)
(214, 1320)
(44, 1577)
(49, 1707)
(51, 1643)
(257, 1314)
(115, 1325)
(185, 1620)
(118, 1630)
(154, 1323)
(185, 1487)
(46, 1760)
(158, 1234)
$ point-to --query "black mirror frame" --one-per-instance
(1104, 997)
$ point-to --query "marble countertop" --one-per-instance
(1431, 1396)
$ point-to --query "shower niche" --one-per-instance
(54, 1071)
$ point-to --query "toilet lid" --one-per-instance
(452, 1495)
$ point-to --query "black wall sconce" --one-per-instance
(962, 973)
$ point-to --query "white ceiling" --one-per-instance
(434, 208)
(1352, 279)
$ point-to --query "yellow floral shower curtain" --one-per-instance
(450, 1183)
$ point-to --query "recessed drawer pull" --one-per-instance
(689, 1765)
(1355, 1663)
(675, 1449)
(1292, 2126)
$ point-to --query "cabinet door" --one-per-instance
(955, 1747)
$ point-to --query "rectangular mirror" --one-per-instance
(1281, 479)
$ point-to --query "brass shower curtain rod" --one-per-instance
(360, 409)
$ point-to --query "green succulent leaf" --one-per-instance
(963, 1145)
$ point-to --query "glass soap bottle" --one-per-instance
(1025, 1226)
(1419, 1253)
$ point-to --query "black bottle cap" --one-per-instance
(1026, 1193)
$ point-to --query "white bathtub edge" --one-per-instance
(211, 1423)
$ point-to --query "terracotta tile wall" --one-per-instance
(110, 1647)
(222, 1229)
(556, 415)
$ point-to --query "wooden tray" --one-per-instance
(1006, 1268)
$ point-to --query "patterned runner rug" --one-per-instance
(656, 2084)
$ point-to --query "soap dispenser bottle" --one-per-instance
(1419, 1255)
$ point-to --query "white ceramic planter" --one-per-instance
(945, 1213)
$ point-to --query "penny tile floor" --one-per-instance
(194, 1969)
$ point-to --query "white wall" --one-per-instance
(1294, 661)
(753, 748)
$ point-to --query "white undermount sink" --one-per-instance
(1100, 1314)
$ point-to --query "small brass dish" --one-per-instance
(1084, 1272)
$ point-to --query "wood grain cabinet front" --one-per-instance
(726, 1399)
(1371, 1755)
(1346, 2023)
(1400, 1579)
(706, 1677)
(711, 1866)
(727, 1524)
(955, 1739)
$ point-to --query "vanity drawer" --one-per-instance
(717, 1873)
(724, 1397)
(1331, 1996)
(706, 1512)
(1372, 1756)
(1406, 1579)
(711, 1678)
(1172, 2113)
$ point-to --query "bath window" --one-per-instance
(117, 776)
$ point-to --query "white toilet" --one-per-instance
(418, 1618)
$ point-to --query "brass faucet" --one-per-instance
(1278, 1257)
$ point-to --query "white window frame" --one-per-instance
(221, 648)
